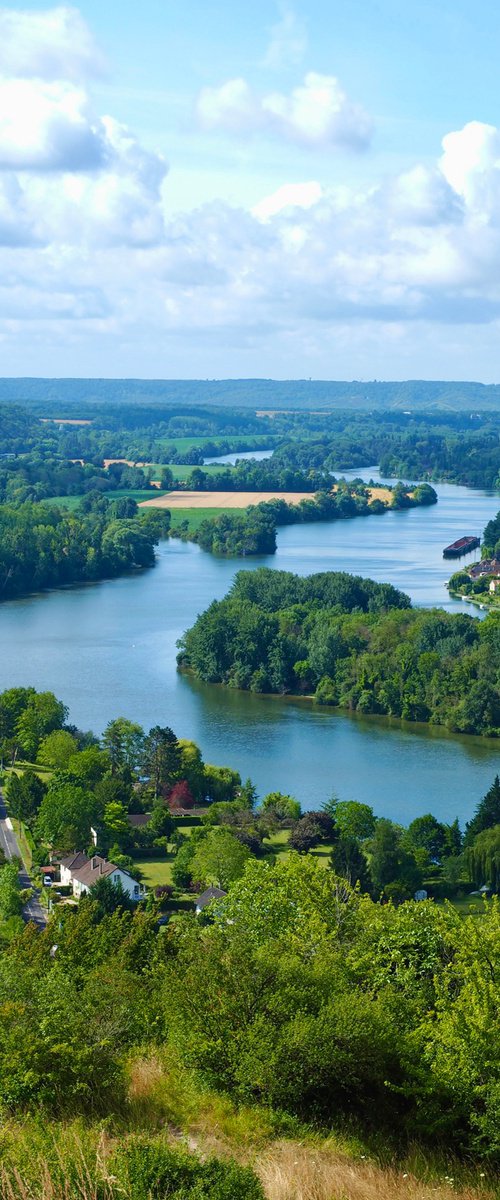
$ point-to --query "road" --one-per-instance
(33, 910)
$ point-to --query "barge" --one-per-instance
(462, 546)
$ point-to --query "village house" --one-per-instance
(487, 566)
(81, 873)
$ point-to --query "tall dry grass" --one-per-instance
(291, 1171)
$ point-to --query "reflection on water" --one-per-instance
(109, 649)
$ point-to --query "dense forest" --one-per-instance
(42, 547)
(308, 446)
(458, 452)
(353, 644)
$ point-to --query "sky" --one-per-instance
(214, 190)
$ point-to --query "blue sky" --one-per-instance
(192, 189)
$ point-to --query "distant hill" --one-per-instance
(56, 395)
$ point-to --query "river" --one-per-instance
(109, 649)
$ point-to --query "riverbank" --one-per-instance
(130, 626)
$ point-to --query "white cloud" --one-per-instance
(48, 126)
(51, 44)
(290, 195)
(232, 107)
(288, 41)
(317, 114)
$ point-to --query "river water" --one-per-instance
(109, 650)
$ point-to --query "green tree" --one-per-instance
(10, 891)
(43, 714)
(219, 858)
(124, 742)
(25, 794)
(161, 757)
(56, 749)
(282, 806)
(391, 866)
(354, 820)
(65, 816)
(487, 813)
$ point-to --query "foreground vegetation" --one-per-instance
(310, 1030)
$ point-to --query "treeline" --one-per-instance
(37, 478)
(135, 432)
(491, 538)
(42, 546)
(353, 644)
(457, 449)
(300, 394)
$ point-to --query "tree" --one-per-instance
(348, 861)
(116, 827)
(161, 757)
(182, 874)
(354, 820)
(310, 830)
(43, 714)
(57, 749)
(65, 816)
(305, 834)
(90, 765)
(219, 858)
(426, 833)
(110, 896)
(487, 813)
(180, 796)
(10, 891)
(221, 783)
(390, 864)
(124, 742)
(161, 822)
(25, 794)
(192, 768)
(281, 805)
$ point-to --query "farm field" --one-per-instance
(221, 500)
(72, 502)
(195, 517)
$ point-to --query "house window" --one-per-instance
(136, 889)
(116, 878)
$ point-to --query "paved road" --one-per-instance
(33, 910)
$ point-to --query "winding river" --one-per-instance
(109, 649)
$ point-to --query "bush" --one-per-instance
(151, 1169)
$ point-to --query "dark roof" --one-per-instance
(212, 893)
(74, 861)
(137, 820)
(95, 868)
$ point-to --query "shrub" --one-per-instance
(148, 1168)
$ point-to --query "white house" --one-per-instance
(81, 873)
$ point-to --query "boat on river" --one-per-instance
(463, 545)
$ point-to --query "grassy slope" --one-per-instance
(167, 1102)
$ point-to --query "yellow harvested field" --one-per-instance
(221, 499)
(181, 499)
(380, 493)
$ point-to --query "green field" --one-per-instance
(195, 516)
(187, 443)
(180, 471)
(72, 502)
